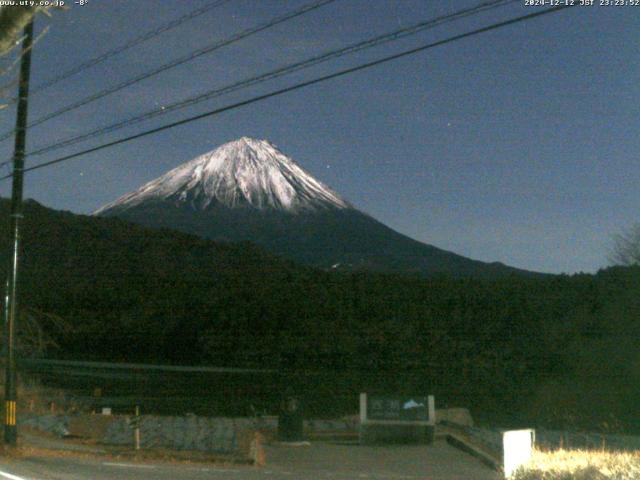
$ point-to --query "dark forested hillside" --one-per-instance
(523, 348)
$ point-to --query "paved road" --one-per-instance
(318, 461)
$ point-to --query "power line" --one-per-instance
(279, 72)
(184, 59)
(298, 86)
(136, 41)
(111, 53)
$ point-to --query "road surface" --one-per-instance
(315, 462)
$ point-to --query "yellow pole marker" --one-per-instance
(10, 412)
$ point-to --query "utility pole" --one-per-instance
(11, 298)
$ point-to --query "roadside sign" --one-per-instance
(403, 409)
(397, 419)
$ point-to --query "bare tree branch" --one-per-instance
(626, 247)
(12, 22)
(17, 60)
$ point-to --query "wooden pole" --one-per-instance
(11, 298)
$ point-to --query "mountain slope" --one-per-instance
(247, 190)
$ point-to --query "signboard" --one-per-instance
(397, 419)
(400, 409)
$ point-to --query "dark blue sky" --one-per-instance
(518, 145)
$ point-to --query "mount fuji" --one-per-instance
(247, 190)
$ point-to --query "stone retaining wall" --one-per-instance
(208, 434)
(189, 432)
(220, 435)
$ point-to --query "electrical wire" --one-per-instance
(184, 59)
(299, 86)
(136, 41)
(279, 72)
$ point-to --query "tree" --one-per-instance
(12, 21)
(626, 247)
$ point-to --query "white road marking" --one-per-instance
(214, 469)
(11, 476)
(152, 467)
(128, 465)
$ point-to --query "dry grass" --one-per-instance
(581, 465)
(36, 398)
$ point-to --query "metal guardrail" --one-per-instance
(138, 366)
(554, 439)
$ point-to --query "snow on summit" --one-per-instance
(241, 173)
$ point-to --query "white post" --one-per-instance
(137, 429)
(518, 447)
(431, 403)
(363, 408)
(363, 416)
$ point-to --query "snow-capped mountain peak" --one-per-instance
(242, 173)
